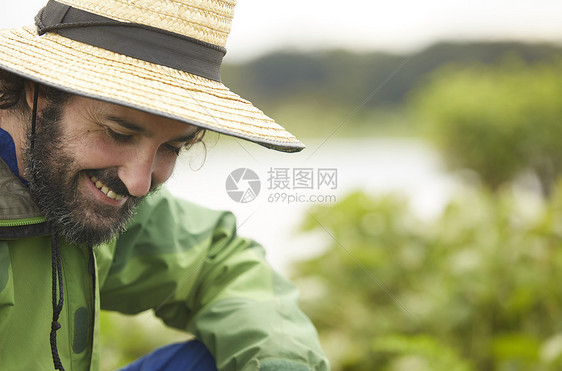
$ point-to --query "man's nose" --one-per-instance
(137, 173)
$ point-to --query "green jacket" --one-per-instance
(183, 261)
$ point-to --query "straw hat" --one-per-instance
(158, 56)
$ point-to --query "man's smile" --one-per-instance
(105, 189)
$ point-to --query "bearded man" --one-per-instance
(96, 103)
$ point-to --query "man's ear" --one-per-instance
(29, 93)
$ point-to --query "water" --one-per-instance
(407, 166)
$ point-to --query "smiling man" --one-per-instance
(91, 162)
(96, 103)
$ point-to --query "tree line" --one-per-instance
(345, 78)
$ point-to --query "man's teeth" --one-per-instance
(105, 189)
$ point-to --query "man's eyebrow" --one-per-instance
(139, 129)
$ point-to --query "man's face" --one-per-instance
(92, 162)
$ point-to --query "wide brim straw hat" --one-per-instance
(158, 56)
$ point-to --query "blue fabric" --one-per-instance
(8, 154)
(8, 151)
(189, 356)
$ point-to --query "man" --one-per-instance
(97, 101)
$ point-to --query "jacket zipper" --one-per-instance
(22, 222)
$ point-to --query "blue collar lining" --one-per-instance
(8, 154)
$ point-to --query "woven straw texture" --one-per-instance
(102, 74)
(205, 20)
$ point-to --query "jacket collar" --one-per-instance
(15, 199)
(19, 215)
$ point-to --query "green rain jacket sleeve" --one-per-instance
(188, 265)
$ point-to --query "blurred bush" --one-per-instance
(475, 289)
(126, 338)
(499, 121)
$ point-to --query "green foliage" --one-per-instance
(477, 288)
(498, 121)
(313, 121)
(426, 353)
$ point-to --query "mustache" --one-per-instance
(112, 180)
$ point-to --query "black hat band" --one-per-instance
(135, 40)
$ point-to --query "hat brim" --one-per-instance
(101, 74)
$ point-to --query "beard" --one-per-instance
(53, 175)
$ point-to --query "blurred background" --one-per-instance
(437, 246)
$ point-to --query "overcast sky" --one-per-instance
(397, 25)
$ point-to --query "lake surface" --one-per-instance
(290, 181)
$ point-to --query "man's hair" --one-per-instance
(12, 93)
(12, 90)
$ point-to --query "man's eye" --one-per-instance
(172, 149)
(118, 137)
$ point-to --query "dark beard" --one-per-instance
(53, 182)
